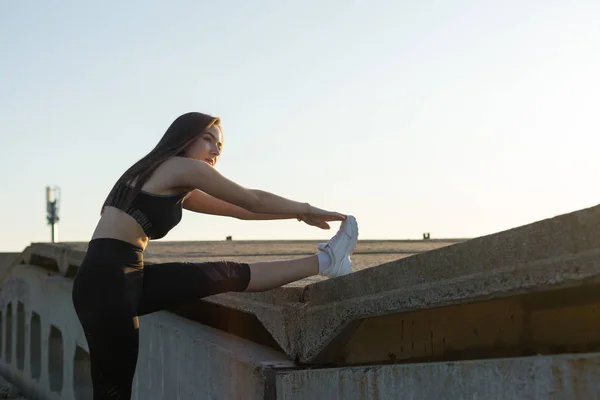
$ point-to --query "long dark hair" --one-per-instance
(180, 134)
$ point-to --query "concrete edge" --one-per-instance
(315, 327)
(565, 376)
(560, 236)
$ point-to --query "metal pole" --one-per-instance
(54, 236)
(52, 204)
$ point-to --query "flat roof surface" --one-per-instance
(368, 253)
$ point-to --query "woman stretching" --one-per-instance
(113, 287)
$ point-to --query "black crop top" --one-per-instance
(157, 214)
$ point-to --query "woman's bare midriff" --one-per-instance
(116, 224)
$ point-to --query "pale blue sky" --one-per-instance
(461, 118)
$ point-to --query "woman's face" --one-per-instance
(207, 147)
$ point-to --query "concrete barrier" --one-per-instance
(45, 354)
(323, 322)
(44, 351)
(530, 290)
(561, 377)
(184, 360)
(315, 320)
(6, 261)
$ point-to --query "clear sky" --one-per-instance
(459, 118)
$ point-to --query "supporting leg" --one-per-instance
(106, 304)
(113, 345)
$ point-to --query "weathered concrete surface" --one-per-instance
(180, 360)
(44, 349)
(564, 377)
(369, 253)
(8, 258)
(311, 318)
(183, 360)
(9, 391)
(45, 354)
(64, 258)
(531, 289)
(539, 322)
(6, 261)
(555, 253)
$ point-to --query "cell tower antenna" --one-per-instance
(52, 206)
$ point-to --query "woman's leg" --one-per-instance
(332, 260)
(268, 275)
(106, 306)
(106, 292)
(169, 284)
(113, 344)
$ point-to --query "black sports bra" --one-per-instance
(157, 214)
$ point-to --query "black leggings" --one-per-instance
(112, 287)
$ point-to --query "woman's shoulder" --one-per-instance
(183, 166)
(173, 174)
(179, 163)
(182, 172)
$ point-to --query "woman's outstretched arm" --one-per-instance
(200, 202)
(192, 174)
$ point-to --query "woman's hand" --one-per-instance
(320, 218)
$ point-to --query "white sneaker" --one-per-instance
(339, 248)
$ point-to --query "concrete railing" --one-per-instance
(43, 350)
(45, 354)
(509, 315)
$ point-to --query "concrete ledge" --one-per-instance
(545, 255)
(321, 324)
(562, 377)
(57, 258)
(311, 319)
(181, 359)
(549, 255)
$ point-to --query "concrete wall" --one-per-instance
(531, 290)
(44, 351)
(182, 360)
(6, 261)
(532, 378)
